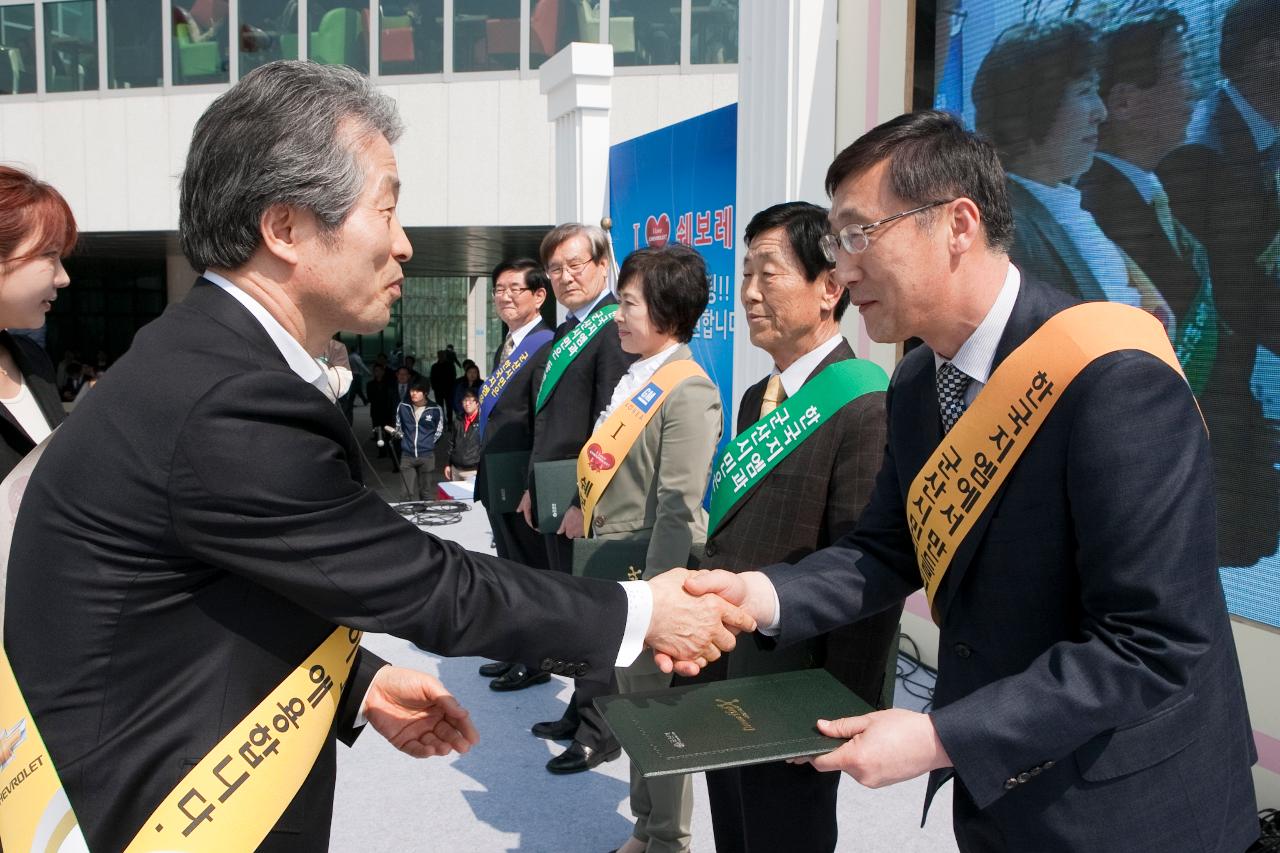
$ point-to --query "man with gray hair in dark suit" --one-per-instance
(175, 593)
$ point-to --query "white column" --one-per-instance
(578, 84)
(786, 127)
(477, 322)
(875, 56)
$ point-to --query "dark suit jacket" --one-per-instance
(582, 393)
(1043, 251)
(194, 531)
(1131, 223)
(1223, 191)
(38, 374)
(811, 499)
(1084, 636)
(510, 425)
(382, 404)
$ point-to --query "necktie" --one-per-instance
(507, 346)
(1164, 215)
(773, 395)
(952, 384)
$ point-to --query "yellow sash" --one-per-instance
(610, 444)
(968, 468)
(227, 802)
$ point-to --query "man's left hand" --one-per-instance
(884, 748)
(417, 714)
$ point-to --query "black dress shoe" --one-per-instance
(518, 678)
(493, 670)
(578, 758)
(561, 729)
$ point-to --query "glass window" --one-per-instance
(645, 32)
(268, 31)
(71, 46)
(555, 23)
(135, 52)
(713, 32)
(339, 33)
(486, 35)
(412, 37)
(17, 49)
(200, 42)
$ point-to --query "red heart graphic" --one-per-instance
(657, 231)
(598, 459)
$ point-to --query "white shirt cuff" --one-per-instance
(639, 614)
(775, 622)
(361, 719)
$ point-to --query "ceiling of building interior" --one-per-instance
(468, 250)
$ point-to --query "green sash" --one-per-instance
(1196, 341)
(568, 347)
(756, 450)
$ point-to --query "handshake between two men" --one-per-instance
(696, 618)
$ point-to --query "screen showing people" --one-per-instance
(1140, 143)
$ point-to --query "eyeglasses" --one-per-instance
(574, 267)
(853, 238)
(510, 291)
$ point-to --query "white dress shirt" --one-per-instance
(1264, 135)
(636, 377)
(586, 312)
(1103, 257)
(793, 377)
(1146, 183)
(975, 358)
(639, 596)
(523, 332)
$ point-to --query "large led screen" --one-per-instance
(1140, 140)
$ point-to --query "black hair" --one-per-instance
(933, 157)
(805, 224)
(1131, 49)
(674, 282)
(1024, 77)
(535, 277)
(1246, 25)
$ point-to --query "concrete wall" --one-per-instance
(474, 153)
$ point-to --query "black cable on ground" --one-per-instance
(917, 687)
(432, 513)
(1269, 826)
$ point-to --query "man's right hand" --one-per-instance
(525, 508)
(751, 592)
(688, 631)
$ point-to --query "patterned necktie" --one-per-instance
(952, 384)
(507, 347)
(773, 395)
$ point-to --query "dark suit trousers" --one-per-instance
(775, 806)
(592, 731)
(514, 540)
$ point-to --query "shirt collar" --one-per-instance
(1053, 197)
(977, 355)
(299, 360)
(646, 367)
(1146, 183)
(521, 333)
(793, 378)
(1264, 135)
(587, 312)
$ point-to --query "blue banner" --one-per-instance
(678, 184)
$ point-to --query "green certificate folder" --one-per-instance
(617, 559)
(729, 723)
(555, 485)
(505, 477)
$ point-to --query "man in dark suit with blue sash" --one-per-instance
(1089, 695)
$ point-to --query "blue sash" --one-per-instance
(497, 383)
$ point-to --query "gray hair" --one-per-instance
(281, 136)
(595, 235)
